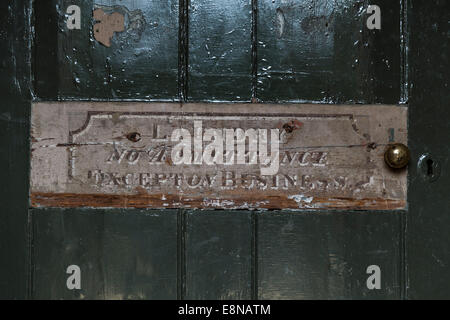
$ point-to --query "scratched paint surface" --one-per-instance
(220, 48)
(321, 51)
(134, 57)
(120, 155)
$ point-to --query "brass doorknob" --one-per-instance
(396, 155)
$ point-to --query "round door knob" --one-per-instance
(396, 155)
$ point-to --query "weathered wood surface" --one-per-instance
(220, 50)
(218, 255)
(325, 256)
(15, 37)
(122, 254)
(141, 62)
(428, 241)
(120, 155)
(322, 51)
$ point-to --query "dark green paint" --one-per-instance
(221, 254)
(321, 51)
(218, 255)
(137, 65)
(326, 255)
(428, 240)
(220, 47)
(122, 254)
(14, 147)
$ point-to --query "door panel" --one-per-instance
(122, 254)
(220, 50)
(326, 255)
(218, 253)
(322, 51)
(141, 63)
(14, 161)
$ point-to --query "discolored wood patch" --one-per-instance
(123, 155)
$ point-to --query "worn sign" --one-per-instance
(168, 155)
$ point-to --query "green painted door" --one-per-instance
(254, 51)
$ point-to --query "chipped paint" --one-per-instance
(301, 199)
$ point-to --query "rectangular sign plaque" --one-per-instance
(235, 156)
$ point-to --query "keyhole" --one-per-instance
(430, 167)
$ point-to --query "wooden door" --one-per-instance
(247, 51)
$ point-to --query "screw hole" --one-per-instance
(134, 136)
